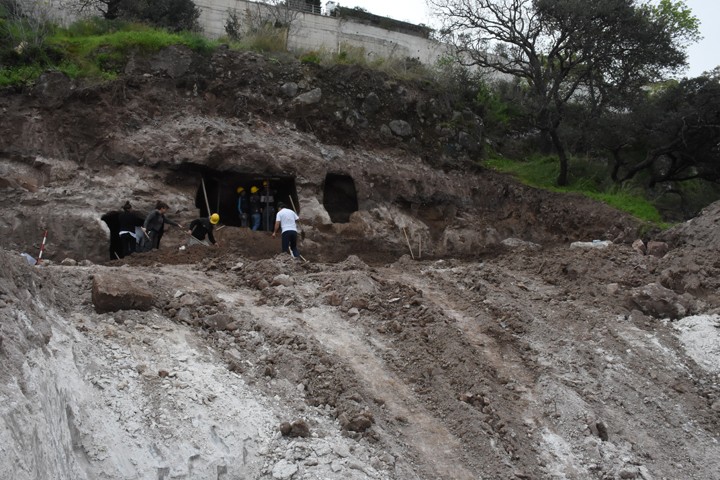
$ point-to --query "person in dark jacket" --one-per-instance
(267, 200)
(255, 208)
(128, 219)
(154, 225)
(243, 206)
(202, 227)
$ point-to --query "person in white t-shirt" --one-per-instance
(286, 220)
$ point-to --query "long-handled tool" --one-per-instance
(207, 204)
(291, 254)
(203, 242)
(42, 247)
(295, 210)
(149, 240)
(408, 243)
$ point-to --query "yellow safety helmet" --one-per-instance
(265, 183)
(240, 189)
(214, 218)
(254, 189)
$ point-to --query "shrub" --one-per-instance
(173, 15)
(310, 57)
(19, 75)
(351, 55)
(266, 39)
(406, 68)
(94, 26)
(23, 34)
(232, 26)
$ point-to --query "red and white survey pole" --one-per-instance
(42, 247)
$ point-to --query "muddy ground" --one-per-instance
(524, 336)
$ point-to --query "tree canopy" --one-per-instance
(570, 50)
(175, 15)
(673, 133)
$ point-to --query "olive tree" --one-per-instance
(270, 21)
(108, 9)
(570, 50)
(671, 133)
(174, 15)
(277, 13)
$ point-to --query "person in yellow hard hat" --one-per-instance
(202, 227)
(243, 206)
(255, 208)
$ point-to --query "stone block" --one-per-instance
(116, 291)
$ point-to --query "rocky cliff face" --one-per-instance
(69, 153)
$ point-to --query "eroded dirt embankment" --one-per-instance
(189, 130)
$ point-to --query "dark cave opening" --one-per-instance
(218, 191)
(339, 197)
(112, 221)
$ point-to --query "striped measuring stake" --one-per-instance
(42, 247)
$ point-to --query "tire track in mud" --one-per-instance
(414, 340)
(428, 436)
(478, 316)
(431, 445)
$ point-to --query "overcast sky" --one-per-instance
(704, 55)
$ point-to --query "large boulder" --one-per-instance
(401, 128)
(657, 301)
(309, 98)
(116, 291)
(657, 249)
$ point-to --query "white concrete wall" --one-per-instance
(332, 33)
(214, 14)
(317, 32)
(308, 32)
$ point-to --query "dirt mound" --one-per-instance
(699, 232)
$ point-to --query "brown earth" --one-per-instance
(500, 350)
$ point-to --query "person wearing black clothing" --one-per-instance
(202, 227)
(128, 219)
(255, 208)
(154, 226)
(267, 200)
(243, 206)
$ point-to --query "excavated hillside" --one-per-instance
(445, 321)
